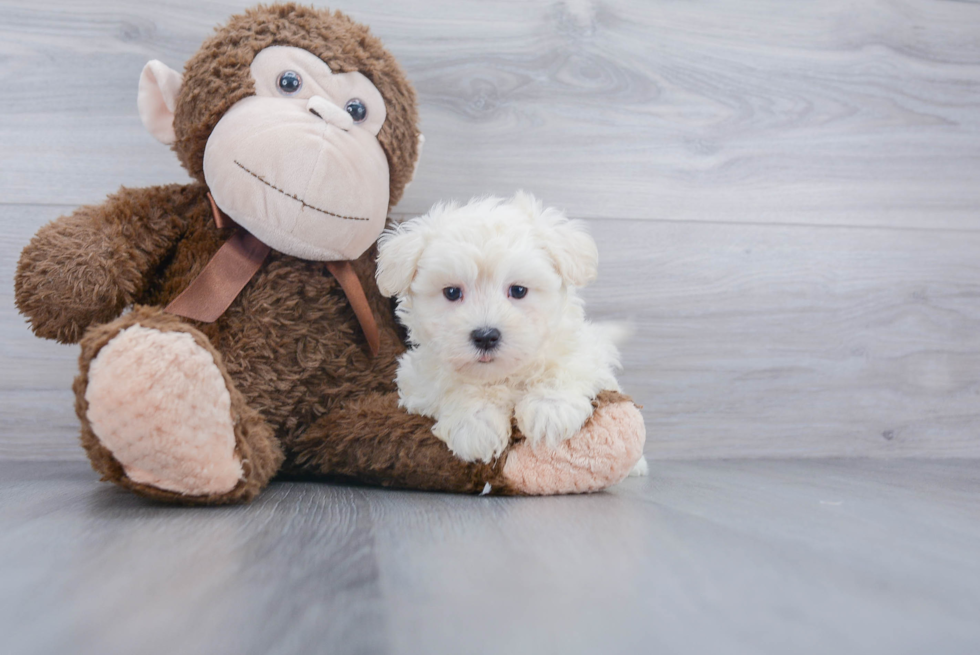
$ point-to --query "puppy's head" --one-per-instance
(485, 285)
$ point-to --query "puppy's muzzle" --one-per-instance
(485, 339)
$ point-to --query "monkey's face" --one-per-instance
(299, 164)
(303, 153)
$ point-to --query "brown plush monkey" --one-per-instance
(251, 348)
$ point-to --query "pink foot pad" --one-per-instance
(601, 454)
(159, 403)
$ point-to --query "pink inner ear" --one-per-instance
(157, 98)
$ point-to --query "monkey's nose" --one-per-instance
(486, 339)
(329, 112)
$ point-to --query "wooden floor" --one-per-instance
(820, 556)
(786, 198)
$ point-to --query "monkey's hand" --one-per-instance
(85, 268)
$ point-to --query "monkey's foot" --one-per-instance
(158, 402)
(601, 454)
(157, 398)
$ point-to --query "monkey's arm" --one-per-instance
(371, 440)
(85, 268)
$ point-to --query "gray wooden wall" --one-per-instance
(786, 195)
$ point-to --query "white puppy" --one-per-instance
(487, 292)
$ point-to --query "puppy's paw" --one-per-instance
(481, 435)
(551, 417)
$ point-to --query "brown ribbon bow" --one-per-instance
(237, 261)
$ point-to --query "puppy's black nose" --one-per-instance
(485, 338)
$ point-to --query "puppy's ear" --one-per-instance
(399, 250)
(567, 242)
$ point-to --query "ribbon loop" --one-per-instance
(237, 261)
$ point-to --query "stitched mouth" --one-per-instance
(294, 196)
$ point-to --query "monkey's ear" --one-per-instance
(157, 98)
(399, 251)
(567, 242)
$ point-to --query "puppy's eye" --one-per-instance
(517, 291)
(289, 83)
(452, 293)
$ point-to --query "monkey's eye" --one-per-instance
(517, 291)
(452, 293)
(289, 83)
(355, 107)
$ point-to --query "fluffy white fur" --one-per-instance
(550, 363)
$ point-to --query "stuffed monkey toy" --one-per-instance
(231, 329)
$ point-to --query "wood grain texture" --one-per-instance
(788, 341)
(37, 406)
(785, 196)
(749, 341)
(703, 557)
(835, 113)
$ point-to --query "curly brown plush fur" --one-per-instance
(218, 76)
(306, 396)
(84, 269)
